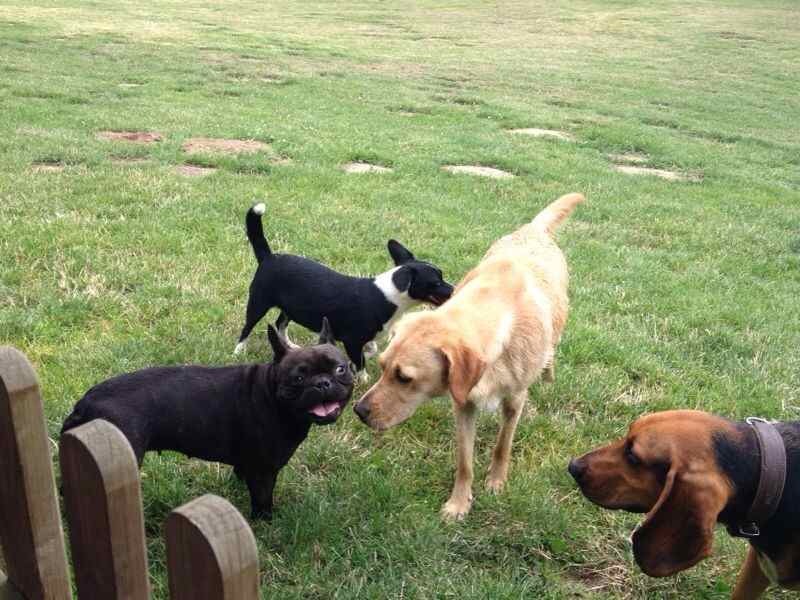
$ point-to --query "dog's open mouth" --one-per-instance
(436, 300)
(326, 411)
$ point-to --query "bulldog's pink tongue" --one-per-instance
(324, 409)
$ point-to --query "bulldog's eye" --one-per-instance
(401, 378)
(298, 379)
(341, 370)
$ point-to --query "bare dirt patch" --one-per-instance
(140, 137)
(194, 170)
(536, 132)
(733, 35)
(405, 110)
(275, 79)
(478, 170)
(633, 158)
(362, 167)
(47, 167)
(122, 161)
(222, 146)
(663, 173)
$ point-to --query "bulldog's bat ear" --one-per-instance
(399, 253)
(326, 335)
(280, 346)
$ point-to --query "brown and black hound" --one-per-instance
(689, 470)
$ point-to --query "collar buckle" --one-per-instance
(749, 530)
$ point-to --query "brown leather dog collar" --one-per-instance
(771, 479)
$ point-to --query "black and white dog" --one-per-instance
(358, 308)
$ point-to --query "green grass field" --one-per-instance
(684, 293)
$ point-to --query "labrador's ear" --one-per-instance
(399, 253)
(464, 368)
(678, 532)
(280, 346)
(326, 334)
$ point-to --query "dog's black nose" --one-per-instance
(362, 410)
(323, 384)
(577, 468)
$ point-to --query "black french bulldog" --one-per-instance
(358, 307)
(252, 417)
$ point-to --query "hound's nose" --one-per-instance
(362, 410)
(577, 468)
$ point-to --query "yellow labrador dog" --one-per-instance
(495, 336)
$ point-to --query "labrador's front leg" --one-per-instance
(457, 507)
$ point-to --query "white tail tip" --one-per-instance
(260, 208)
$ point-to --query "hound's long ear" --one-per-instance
(326, 334)
(679, 530)
(464, 368)
(399, 253)
(280, 346)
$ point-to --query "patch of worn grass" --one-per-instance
(684, 294)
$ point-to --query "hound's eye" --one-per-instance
(401, 378)
(341, 369)
(632, 459)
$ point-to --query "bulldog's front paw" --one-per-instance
(370, 349)
(240, 347)
(363, 377)
(261, 514)
(456, 509)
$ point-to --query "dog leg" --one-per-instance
(751, 582)
(457, 507)
(255, 312)
(282, 324)
(261, 487)
(370, 349)
(355, 353)
(501, 456)
(549, 374)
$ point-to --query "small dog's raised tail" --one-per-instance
(552, 216)
(255, 232)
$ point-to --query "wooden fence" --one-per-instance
(211, 550)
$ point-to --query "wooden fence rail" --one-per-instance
(211, 550)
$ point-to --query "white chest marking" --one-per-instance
(400, 299)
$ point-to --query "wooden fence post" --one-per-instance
(7, 589)
(211, 552)
(30, 523)
(104, 513)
